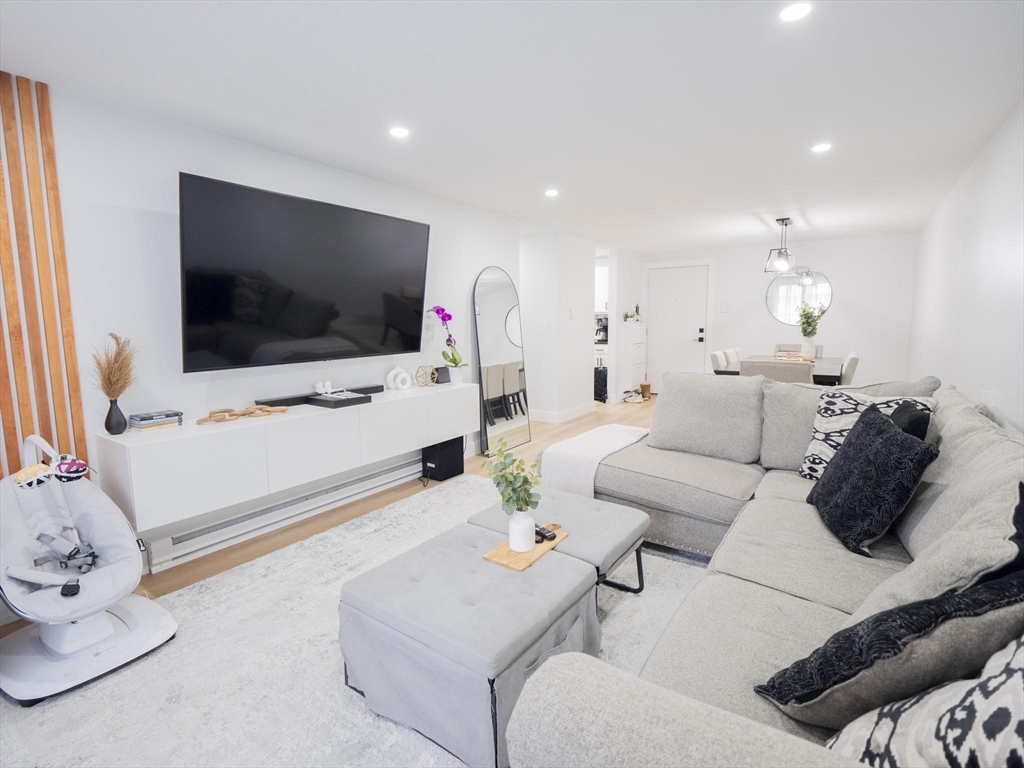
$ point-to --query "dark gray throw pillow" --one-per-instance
(911, 419)
(870, 480)
(899, 653)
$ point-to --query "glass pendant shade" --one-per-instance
(807, 278)
(779, 260)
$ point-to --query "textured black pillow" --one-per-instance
(870, 480)
(899, 653)
(911, 419)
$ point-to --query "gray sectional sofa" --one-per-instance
(714, 442)
(779, 583)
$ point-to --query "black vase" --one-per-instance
(115, 423)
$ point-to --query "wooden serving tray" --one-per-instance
(520, 561)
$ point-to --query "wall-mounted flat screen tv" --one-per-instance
(269, 279)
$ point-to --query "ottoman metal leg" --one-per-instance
(639, 574)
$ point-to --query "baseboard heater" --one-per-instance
(243, 522)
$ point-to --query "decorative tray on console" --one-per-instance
(520, 561)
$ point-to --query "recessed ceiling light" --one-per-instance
(795, 11)
(551, 192)
(399, 133)
(821, 148)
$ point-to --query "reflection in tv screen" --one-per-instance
(270, 279)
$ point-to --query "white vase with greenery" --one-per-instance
(809, 317)
(516, 485)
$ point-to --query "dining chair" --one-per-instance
(494, 392)
(522, 383)
(511, 387)
(718, 361)
(732, 355)
(783, 348)
(849, 368)
(793, 372)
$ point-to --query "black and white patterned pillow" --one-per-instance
(837, 412)
(977, 722)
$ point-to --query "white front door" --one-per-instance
(677, 311)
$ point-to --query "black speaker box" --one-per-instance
(443, 460)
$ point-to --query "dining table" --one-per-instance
(827, 370)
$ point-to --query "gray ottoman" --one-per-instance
(600, 533)
(442, 641)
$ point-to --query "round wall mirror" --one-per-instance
(787, 291)
(513, 330)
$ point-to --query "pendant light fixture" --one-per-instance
(807, 278)
(780, 259)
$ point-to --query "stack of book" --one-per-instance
(154, 420)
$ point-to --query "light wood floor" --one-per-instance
(543, 435)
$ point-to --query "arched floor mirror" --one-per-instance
(504, 404)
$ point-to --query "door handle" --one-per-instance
(701, 339)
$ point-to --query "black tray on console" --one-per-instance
(312, 398)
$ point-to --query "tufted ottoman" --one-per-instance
(442, 641)
(600, 533)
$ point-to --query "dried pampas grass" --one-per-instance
(115, 367)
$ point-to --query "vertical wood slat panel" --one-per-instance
(60, 268)
(14, 333)
(7, 415)
(43, 271)
(28, 282)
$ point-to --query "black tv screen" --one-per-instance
(269, 279)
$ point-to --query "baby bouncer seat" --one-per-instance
(69, 561)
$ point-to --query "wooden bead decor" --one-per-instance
(253, 411)
(426, 376)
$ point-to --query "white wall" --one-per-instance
(625, 292)
(873, 282)
(968, 320)
(557, 291)
(118, 175)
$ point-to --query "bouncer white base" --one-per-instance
(31, 670)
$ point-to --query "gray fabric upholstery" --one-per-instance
(784, 545)
(977, 544)
(618, 720)
(600, 533)
(691, 499)
(975, 457)
(777, 370)
(439, 639)
(709, 415)
(782, 484)
(678, 481)
(789, 411)
(444, 595)
(678, 530)
(730, 635)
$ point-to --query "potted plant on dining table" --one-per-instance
(809, 317)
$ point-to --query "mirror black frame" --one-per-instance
(484, 440)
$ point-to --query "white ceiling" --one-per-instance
(666, 125)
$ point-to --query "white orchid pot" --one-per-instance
(455, 375)
(807, 348)
(521, 532)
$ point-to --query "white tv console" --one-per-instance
(192, 489)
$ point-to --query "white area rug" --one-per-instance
(254, 676)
